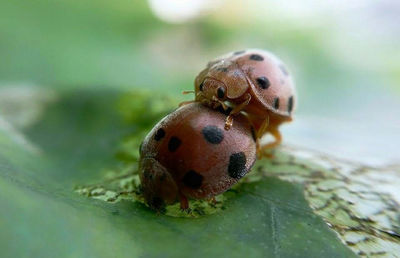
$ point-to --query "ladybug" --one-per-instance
(188, 154)
(254, 82)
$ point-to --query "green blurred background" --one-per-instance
(345, 57)
(65, 66)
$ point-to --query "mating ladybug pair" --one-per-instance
(208, 144)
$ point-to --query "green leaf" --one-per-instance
(87, 141)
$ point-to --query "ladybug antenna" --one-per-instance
(187, 92)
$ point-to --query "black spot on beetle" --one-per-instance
(237, 165)
(174, 143)
(263, 82)
(284, 70)
(239, 52)
(276, 103)
(213, 134)
(290, 104)
(256, 57)
(159, 134)
(193, 179)
(201, 86)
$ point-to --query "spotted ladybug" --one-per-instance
(251, 81)
(188, 154)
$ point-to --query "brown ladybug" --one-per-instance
(251, 81)
(188, 154)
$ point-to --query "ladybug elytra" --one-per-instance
(188, 154)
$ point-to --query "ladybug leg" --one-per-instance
(184, 202)
(212, 200)
(186, 102)
(260, 150)
(259, 135)
(236, 110)
(188, 92)
(278, 139)
(219, 103)
(263, 128)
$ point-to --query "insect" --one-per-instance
(188, 154)
(254, 82)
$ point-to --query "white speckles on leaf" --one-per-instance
(359, 203)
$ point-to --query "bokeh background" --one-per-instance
(345, 56)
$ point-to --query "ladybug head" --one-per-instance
(221, 81)
(211, 92)
(158, 186)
